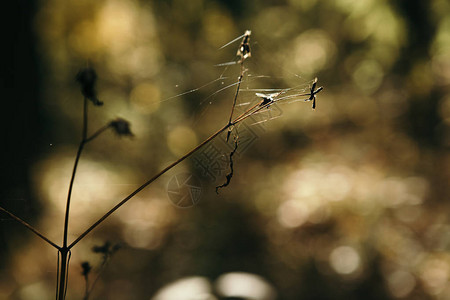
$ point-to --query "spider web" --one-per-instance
(223, 88)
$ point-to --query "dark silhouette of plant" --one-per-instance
(106, 250)
(87, 79)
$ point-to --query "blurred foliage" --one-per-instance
(349, 201)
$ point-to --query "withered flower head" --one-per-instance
(244, 50)
(87, 79)
(102, 249)
(86, 268)
(121, 127)
(106, 249)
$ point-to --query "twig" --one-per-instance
(235, 98)
(74, 171)
(243, 52)
(35, 231)
(57, 275)
(97, 133)
(64, 250)
(144, 185)
(248, 113)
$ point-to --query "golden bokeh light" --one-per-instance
(145, 97)
(186, 288)
(145, 221)
(368, 75)
(313, 50)
(117, 24)
(435, 275)
(98, 187)
(345, 260)
(218, 27)
(401, 283)
(181, 139)
(292, 213)
(244, 285)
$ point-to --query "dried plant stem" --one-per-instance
(235, 98)
(64, 250)
(34, 230)
(249, 112)
(91, 288)
(144, 185)
(97, 133)
(237, 92)
(74, 171)
(86, 290)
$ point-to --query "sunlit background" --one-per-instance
(350, 201)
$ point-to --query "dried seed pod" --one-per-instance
(121, 127)
(87, 78)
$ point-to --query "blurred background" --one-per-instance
(350, 201)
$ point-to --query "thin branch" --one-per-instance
(247, 113)
(67, 274)
(74, 171)
(86, 290)
(29, 227)
(235, 98)
(62, 286)
(243, 52)
(97, 133)
(254, 109)
(57, 274)
(103, 266)
(144, 185)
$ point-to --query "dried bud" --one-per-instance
(104, 249)
(121, 127)
(87, 79)
(86, 268)
(244, 50)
